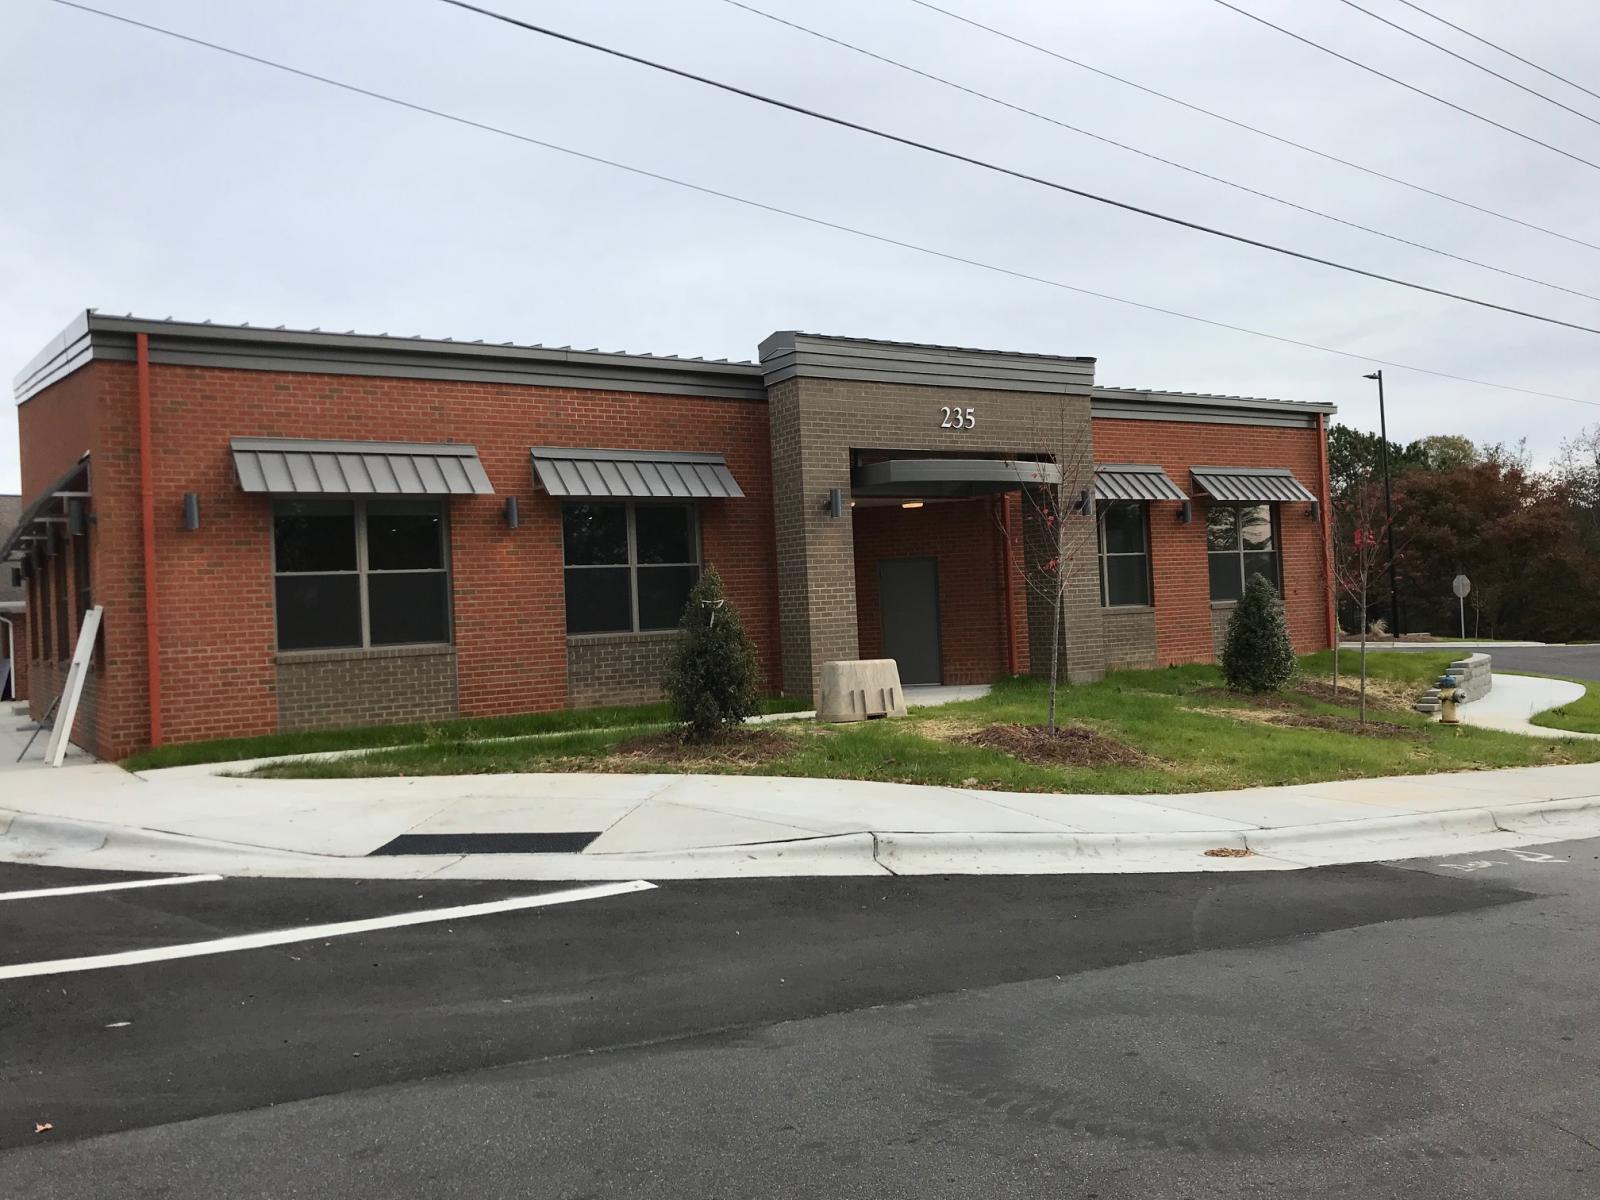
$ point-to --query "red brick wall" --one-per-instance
(966, 539)
(215, 584)
(1178, 552)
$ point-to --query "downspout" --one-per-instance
(147, 505)
(1011, 615)
(1327, 526)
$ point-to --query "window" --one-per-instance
(59, 588)
(1241, 541)
(1124, 554)
(353, 573)
(629, 567)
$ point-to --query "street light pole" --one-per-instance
(1388, 508)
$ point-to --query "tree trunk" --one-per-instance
(1055, 660)
(1363, 649)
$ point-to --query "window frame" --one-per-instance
(1238, 551)
(362, 571)
(1102, 554)
(633, 564)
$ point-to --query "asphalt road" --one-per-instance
(1419, 1031)
(1575, 662)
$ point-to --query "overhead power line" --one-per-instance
(1471, 62)
(957, 156)
(1039, 116)
(820, 222)
(1410, 87)
(1248, 128)
(1527, 62)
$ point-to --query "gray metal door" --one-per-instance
(908, 602)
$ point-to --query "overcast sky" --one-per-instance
(148, 175)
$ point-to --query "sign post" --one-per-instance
(61, 732)
(1461, 585)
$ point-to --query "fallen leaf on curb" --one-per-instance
(43, 1126)
(1228, 852)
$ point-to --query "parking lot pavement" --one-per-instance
(126, 1047)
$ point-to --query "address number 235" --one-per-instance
(957, 418)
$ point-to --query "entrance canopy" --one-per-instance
(950, 478)
(49, 514)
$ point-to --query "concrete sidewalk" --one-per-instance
(697, 826)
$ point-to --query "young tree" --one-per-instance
(1060, 531)
(1257, 655)
(712, 679)
(1360, 556)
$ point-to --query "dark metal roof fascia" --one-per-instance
(990, 474)
(791, 355)
(1205, 409)
(186, 343)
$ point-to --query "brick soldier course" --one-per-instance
(806, 419)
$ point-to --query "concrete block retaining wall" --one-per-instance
(1473, 680)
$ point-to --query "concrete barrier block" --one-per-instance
(859, 689)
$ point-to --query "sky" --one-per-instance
(142, 174)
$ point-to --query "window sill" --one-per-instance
(356, 653)
(1217, 605)
(1130, 609)
(604, 639)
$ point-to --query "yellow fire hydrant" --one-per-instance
(1449, 700)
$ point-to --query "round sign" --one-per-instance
(1461, 585)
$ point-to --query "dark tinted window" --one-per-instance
(314, 535)
(1225, 578)
(664, 533)
(409, 607)
(662, 591)
(59, 588)
(1222, 527)
(595, 534)
(318, 612)
(1124, 528)
(599, 600)
(80, 569)
(1127, 579)
(404, 536)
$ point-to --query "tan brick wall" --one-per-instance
(618, 668)
(815, 423)
(1130, 638)
(324, 689)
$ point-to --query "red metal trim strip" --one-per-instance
(147, 504)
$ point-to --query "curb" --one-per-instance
(26, 837)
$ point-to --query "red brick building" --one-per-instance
(289, 530)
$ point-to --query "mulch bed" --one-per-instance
(1377, 729)
(1072, 746)
(1286, 712)
(736, 747)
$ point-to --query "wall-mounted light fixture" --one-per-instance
(191, 511)
(1314, 511)
(77, 518)
(1185, 512)
(513, 513)
(911, 504)
(17, 576)
(835, 503)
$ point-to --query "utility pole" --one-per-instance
(1388, 508)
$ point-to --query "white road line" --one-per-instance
(311, 933)
(82, 889)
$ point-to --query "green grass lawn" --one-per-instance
(1581, 716)
(1196, 737)
(433, 734)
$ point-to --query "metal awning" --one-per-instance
(299, 467)
(1262, 485)
(569, 474)
(950, 477)
(50, 508)
(1135, 482)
